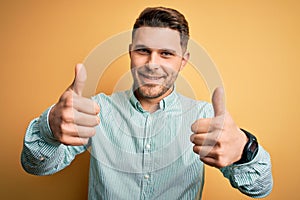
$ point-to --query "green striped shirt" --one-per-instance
(140, 155)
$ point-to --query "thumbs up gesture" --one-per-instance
(73, 118)
(218, 140)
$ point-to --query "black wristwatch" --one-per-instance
(250, 149)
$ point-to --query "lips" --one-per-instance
(151, 79)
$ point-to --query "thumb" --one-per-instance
(218, 101)
(79, 80)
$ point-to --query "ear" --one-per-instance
(185, 59)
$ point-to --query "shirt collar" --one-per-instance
(163, 104)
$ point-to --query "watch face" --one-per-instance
(252, 150)
(253, 146)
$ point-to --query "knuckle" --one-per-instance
(67, 115)
(63, 139)
(67, 129)
(65, 95)
(68, 102)
(62, 128)
(67, 99)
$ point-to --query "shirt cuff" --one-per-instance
(246, 173)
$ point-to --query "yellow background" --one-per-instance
(255, 45)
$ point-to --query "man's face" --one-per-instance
(156, 58)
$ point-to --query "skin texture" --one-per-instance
(73, 118)
(156, 59)
(218, 140)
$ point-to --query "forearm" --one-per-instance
(254, 178)
(42, 154)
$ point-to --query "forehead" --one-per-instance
(157, 38)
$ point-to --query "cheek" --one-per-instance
(172, 67)
(137, 61)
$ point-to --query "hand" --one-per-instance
(73, 118)
(218, 140)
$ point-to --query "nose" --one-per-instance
(153, 62)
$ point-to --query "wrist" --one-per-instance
(250, 148)
(45, 129)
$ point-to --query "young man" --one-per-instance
(146, 142)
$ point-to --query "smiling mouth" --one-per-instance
(151, 79)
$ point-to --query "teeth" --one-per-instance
(151, 77)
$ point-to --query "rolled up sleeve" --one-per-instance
(254, 178)
(42, 154)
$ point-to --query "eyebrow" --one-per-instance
(141, 46)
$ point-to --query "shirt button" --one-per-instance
(148, 146)
(146, 176)
(41, 158)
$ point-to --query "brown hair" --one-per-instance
(164, 18)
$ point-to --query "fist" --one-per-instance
(218, 140)
(73, 118)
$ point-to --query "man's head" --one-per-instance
(164, 18)
(158, 51)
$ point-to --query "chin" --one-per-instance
(152, 91)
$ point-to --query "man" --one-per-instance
(146, 142)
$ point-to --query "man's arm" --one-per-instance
(220, 143)
(52, 141)
(254, 178)
(42, 154)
